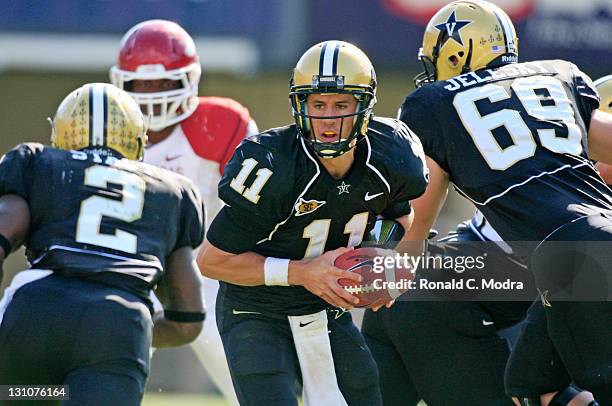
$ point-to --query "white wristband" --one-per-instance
(276, 271)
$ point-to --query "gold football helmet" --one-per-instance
(464, 36)
(100, 117)
(333, 67)
(604, 87)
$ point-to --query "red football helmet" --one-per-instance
(160, 49)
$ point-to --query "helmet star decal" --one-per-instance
(450, 29)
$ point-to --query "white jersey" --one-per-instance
(178, 154)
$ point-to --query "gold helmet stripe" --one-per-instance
(328, 64)
(97, 114)
(507, 28)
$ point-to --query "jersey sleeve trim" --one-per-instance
(373, 168)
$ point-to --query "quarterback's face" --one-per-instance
(330, 105)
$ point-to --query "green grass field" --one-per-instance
(176, 399)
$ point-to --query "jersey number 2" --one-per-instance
(128, 209)
(556, 108)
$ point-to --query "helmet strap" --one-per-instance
(340, 146)
(468, 60)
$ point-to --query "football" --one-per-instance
(380, 284)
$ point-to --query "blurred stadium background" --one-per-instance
(247, 49)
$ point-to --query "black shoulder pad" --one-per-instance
(399, 156)
(587, 96)
(422, 121)
(192, 216)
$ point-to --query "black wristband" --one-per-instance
(184, 317)
(6, 245)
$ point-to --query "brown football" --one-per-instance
(376, 287)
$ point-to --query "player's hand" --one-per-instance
(376, 307)
(320, 277)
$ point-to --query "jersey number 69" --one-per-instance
(565, 139)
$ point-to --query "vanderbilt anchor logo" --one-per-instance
(307, 206)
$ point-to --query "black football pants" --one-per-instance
(66, 331)
(264, 365)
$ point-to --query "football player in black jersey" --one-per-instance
(296, 197)
(453, 352)
(535, 332)
(104, 230)
(513, 140)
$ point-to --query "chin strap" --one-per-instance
(468, 60)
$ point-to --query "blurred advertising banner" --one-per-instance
(390, 31)
(276, 32)
(231, 35)
(210, 17)
(420, 11)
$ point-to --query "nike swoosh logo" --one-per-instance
(487, 323)
(234, 311)
(369, 197)
(305, 324)
(172, 158)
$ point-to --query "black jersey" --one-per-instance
(514, 141)
(281, 202)
(107, 219)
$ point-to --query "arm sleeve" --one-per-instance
(234, 233)
(254, 204)
(587, 97)
(426, 127)
(409, 173)
(398, 209)
(192, 218)
(15, 171)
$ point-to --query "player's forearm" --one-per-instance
(427, 206)
(246, 269)
(167, 333)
